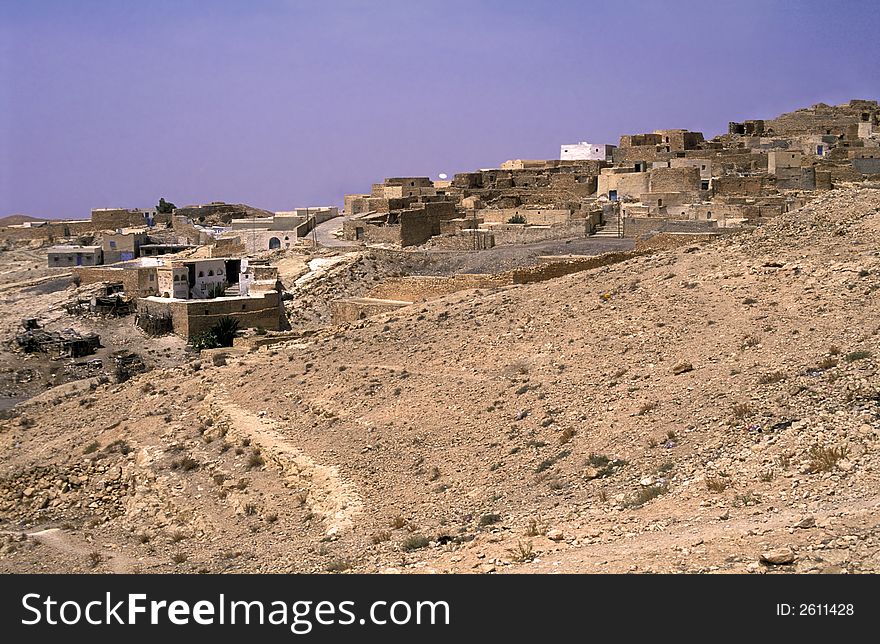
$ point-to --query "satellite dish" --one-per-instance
(442, 175)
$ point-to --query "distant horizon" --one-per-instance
(292, 103)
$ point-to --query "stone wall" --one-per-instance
(510, 234)
(192, 317)
(747, 186)
(138, 281)
(351, 309)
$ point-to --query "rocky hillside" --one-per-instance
(708, 408)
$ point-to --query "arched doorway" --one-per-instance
(274, 243)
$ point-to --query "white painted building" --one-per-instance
(584, 151)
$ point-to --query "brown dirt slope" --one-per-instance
(685, 411)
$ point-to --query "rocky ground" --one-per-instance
(707, 408)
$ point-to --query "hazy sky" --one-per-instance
(292, 103)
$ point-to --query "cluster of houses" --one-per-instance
(665, 180)
(188, 267)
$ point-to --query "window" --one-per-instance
(704, 185)
(210, 273)
(112, 244)
(703, 167)
(151, 277)
(201, 273)
(219, 271)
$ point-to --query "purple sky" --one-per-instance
(291, 103)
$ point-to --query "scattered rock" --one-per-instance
(778, 557)
(682, 367)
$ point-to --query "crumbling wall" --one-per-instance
(136, 281)
(192, 317)
(351, 309)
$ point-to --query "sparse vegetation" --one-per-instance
(567, 434)
(717, 484)
(381, 537)
(94, 446)
(415, 542)
(338, 565)
(826, 363)
(853, 356)
(771, 378)
(648, 407)
(824, 459)
(94, 558)
(642, 496)
(255, 459)
(535, 527)
(398, 522)
(522, 552)
(489, 519)
(187, 464)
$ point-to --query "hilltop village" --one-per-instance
(182, 269)
(335, 354)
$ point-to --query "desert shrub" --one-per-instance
(522, 552)
(489, 519)
(415, 542)
(716, 483)
(646, 494)
(824, 459)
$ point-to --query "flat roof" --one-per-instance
(67, 249)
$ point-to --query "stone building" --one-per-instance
(75, 256)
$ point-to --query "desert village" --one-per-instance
(182, 269)
(130, 292)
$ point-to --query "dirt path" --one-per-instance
(62, 541)
(336, 501)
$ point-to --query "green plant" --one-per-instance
(164, 207)
(517, 219)
(225, 330)
(852, 356)
(91, 447)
